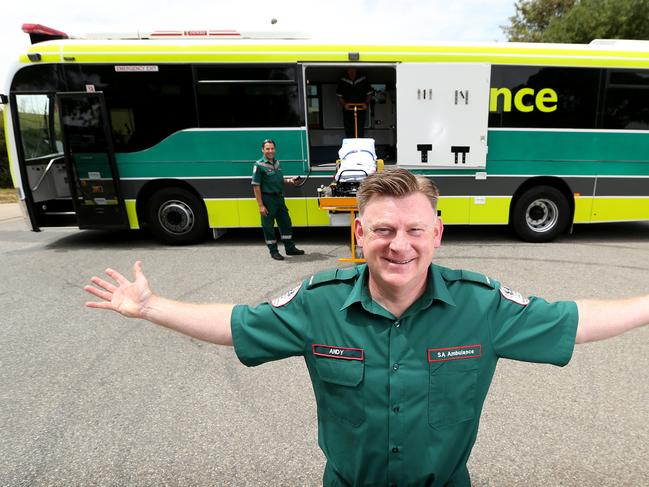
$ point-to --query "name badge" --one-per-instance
(454, 353)
(343, 353)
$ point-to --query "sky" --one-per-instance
(440, 20)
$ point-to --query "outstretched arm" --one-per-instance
(599, 320)
(208, 322)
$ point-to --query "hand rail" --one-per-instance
(47, 169)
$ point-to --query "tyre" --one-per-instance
(540, 214)
(177, 216)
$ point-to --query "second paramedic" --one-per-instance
(268, 187)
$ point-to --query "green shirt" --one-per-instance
(268, 175)
(399, 400)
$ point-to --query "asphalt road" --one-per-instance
(90, 398)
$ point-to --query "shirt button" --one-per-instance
(396, 409)
(397, 324)
(395, 450)
(395, 367)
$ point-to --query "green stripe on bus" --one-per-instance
(204, 153)
(568, 153)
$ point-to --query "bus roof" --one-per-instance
(242, 48)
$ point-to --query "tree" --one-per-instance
(601, 19)
(533, 17)
(578, 21)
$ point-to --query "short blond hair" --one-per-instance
(396, 183)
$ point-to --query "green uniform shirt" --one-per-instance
(399, 400)
(268, 175)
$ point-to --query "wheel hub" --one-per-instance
(176, 217)
(541, 215)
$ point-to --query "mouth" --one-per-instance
(399, 262)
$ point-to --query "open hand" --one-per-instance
(127, 298)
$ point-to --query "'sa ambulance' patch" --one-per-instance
(286, 297)
(513, 296)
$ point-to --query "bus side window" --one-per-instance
(248, 96)
(543, 97)
(144, 107)
(626, 98)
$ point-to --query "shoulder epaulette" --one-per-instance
(331, 275)
(463, 275)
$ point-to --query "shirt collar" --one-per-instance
(436, 289)
(437, 285)
(357, 293)
(273, 163)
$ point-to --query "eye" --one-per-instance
(416, 232)
(382, 231)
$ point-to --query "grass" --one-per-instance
(8, 195)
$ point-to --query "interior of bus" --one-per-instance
(325, 113)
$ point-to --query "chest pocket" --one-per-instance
(342, 391)
(452, 390)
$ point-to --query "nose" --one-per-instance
(400, 243)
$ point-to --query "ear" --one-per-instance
(358, 231)
(438, 230)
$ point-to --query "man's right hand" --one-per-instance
(127, 298)
(263, 211)
(209, 322)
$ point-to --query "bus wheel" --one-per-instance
(540, 214)
(177, 217)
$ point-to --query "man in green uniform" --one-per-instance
(400, 351)
(268, 187)
(357, 90)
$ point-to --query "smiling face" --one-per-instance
(268, 150)
(399, 236)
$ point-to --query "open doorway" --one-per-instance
(325, 116)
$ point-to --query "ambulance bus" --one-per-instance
(160, 130)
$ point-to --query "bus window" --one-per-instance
(627, 100)
(248, 97)
(39, 77)
(40, 131)
(543, 97)
(144, 107)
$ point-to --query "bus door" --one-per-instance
(90, 160)
(442, 115)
